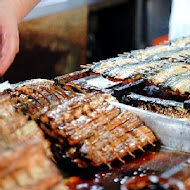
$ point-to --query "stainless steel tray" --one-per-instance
(172, 133)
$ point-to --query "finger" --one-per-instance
(10, 43)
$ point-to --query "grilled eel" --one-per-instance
(165, 107)
(14, 125)
(163, 73)
(133, 70)
(88, 128)
(24, 163)
(26, 166)
(174, 77)
(166, 66)
(95, 132)
(173, 49)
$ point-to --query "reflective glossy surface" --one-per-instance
(152, 162)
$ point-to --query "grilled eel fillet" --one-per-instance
(166, 66)
(38, 96)
(16, 126)
(166, 107)
(26, 166)
(88, 128)
(174, 51)
(95, 132)
(23, 160)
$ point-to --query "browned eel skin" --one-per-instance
(166, 107)
(36, 98)
(24, 163)
(94, 132)
(166, 66)
(84, 124)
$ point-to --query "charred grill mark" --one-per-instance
(114, 138)
(56, 115)
(89, 128)
(103, 136)
(95, 133)
(57, 118)
(118, 145)
(35, 100)
(104, 130)
(50, 92)
(84, 118)
(78, 88)
(109, 141)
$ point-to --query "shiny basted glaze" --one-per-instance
(166, 66)
(24, 153)
(179, 83)
(174, 76)
(154, 161)
(133, 70)
(90, 129)
(37, 99)
(96, 130)
(173, 49)
(101, 135)
(101, 67)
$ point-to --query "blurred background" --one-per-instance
(60, 35)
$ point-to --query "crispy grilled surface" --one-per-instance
(24, 163)
(27, 167)
(165, 107)
(95, 131)
(89, 130)
(166, 66)
(37, 98)
(15, 126)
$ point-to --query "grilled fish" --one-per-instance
(88, 128)
(161, 65)
(165, 107)
(24, 162)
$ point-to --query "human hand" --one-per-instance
(9, 39)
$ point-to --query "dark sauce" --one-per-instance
(151, 183)
(154, 161)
